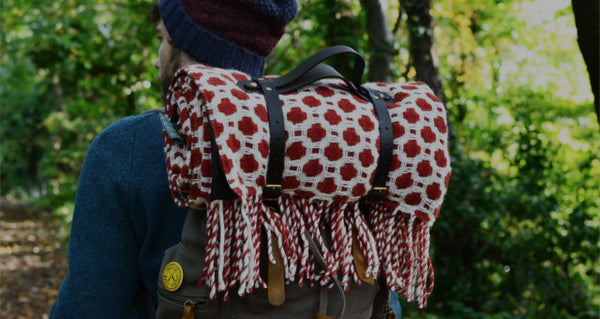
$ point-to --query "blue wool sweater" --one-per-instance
(123, 221)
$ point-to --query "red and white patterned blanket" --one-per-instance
(332, 147)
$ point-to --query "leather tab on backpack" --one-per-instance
(276, 277)
(360, 261)
(320, 316)
(188, 312)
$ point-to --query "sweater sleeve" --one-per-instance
(104, 250)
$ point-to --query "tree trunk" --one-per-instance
(586, 19)
(381, 47)
(422, 49)
(422, 44)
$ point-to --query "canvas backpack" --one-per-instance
(310, 195)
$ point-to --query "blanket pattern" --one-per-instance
(332, 148)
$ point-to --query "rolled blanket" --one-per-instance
(332, 148)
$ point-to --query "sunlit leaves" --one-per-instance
(77, 66)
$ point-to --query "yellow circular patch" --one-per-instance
(172, 276)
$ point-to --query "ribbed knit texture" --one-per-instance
(124, 220)
(227, 34)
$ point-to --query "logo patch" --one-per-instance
(172, 276)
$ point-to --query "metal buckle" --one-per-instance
(375, 195)
(271, 192)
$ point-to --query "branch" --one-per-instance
(399, 20)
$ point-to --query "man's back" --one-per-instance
(124, 219)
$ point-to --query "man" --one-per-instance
(124, 216)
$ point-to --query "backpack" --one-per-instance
(310, 195)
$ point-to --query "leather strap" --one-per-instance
(309, 71)
(319, 72)
(276, 276)
(272, 188)
(386, 143)
(220, 187)
(321, 262)
(360, 261)
(317, 58)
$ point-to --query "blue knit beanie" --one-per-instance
(231, 34)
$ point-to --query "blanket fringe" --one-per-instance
(396, 246)
(403, 243)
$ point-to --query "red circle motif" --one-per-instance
(433, 191)
(316, 133)
(366, 158)
(348, 172)
(332, 117)
(333, 152)
(295, 151)
(351, 137)
(424, 169)
(324, 91)
(366, 123)
(405, 181)
(346, 105)
(226, 107)
(428, 135)
(413, 199)
(411, 116)
(412, 148)
(312, 168)
(424, 105)
(296, 115)
(233, 143)
(327, 186)
(216, 81)
(248, 163)
(440, 123)
(311, 101)
(247, 126)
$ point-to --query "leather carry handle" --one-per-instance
(321, 56)
(312, 70)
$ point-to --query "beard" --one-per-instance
(165, 75)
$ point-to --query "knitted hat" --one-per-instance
(230, 34)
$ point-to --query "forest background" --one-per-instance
(518, 236)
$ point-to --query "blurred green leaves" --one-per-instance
(68, 70)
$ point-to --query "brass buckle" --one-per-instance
(375, 195)
(271, 192)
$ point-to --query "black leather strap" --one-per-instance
(320, 260)
(317, 58)
(272, 188)
(312, 70)
(319, 72)
(386, 140)
(307, 72)
(220, 187)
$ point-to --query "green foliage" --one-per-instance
(68, 70)
(308, 34)
(25, 103)
(518, 236)
(519, 233)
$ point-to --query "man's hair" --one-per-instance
(155, 18)
(155, 14)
